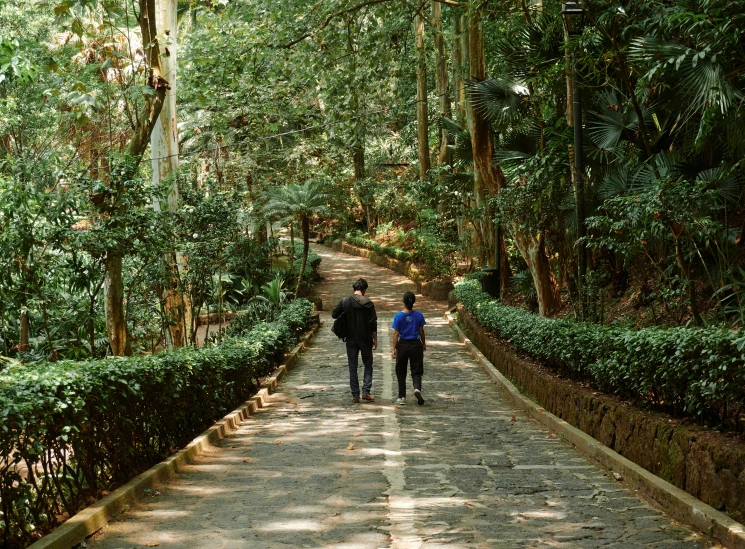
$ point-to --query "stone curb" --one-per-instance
(676, 502)
(93, 518)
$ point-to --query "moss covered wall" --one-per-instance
(708, 465)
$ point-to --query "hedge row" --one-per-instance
(392, 251)
(74, 430)
(694, 372)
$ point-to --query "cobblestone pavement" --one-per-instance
(464, 470)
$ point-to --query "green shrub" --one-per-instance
(356, 239)
(696, 372)
(314, 261)
(81, 428)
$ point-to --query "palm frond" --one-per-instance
(615, 183)
(531, 46)
(500, 100)
(698, 73)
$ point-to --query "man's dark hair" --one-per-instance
(360, 285)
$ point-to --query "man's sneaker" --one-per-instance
(368, 396)
(401, 401)
(356, 400)
(419, 397)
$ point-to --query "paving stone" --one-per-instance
(456, 472)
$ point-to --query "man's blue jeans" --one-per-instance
(354, 349)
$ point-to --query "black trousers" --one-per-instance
(409, 351)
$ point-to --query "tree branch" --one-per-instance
(329, 18)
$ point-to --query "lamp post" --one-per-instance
(574, 20)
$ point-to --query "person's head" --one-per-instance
(360, 285)
(409, 300)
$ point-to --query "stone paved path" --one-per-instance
(464, 470)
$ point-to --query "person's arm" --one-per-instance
(395, 342)
(338, 310)
(374, 327)
(421, 336)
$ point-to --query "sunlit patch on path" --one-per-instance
(314, 470)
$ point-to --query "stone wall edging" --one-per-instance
(498, 363)
(411, 270)
(94, 517)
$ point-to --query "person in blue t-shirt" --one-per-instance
(409, 346)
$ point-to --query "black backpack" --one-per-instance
(340, 323)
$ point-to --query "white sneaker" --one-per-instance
(419, 397)
(401, 401)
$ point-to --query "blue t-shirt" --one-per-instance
(408, 324)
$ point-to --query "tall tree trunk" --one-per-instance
(24, 330)
(685, 273)
(532, 248)
(358, 157)
(459, 96)
(165, 162)
(486, 176)
(116, 323)
(441, 82)
(460, 66)
(422, 114)
(358, 142)
(305, 225)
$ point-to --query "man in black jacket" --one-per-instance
(362, 337)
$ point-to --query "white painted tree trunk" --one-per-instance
(165, 160)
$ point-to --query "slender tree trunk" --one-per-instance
(116, 326)
(24, 330)
(92, 325)
(116, 323)
(685, 273)
(165, 162)
(532, 248)
(460, 66)
(422, 113)
(486, 177)
(305, 225)
(442, 85)
(358, 158)
(459, 96)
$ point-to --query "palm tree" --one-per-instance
(298, 203)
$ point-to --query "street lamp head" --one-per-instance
(574, 17)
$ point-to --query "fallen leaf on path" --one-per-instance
(153, 544)
(617, 476)
(279, 441)
(246, 460)
(351, 446)
(551, 435)
(513, 418)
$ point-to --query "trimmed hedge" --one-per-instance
(391, 251)
(74, 430)
(694, 372)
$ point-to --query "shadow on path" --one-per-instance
(465, 470)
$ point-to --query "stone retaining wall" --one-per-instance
(435, 289)
(706, 464)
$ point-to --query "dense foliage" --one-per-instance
(72, 430)
(693, 372)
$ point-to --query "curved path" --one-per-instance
(311, 469)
